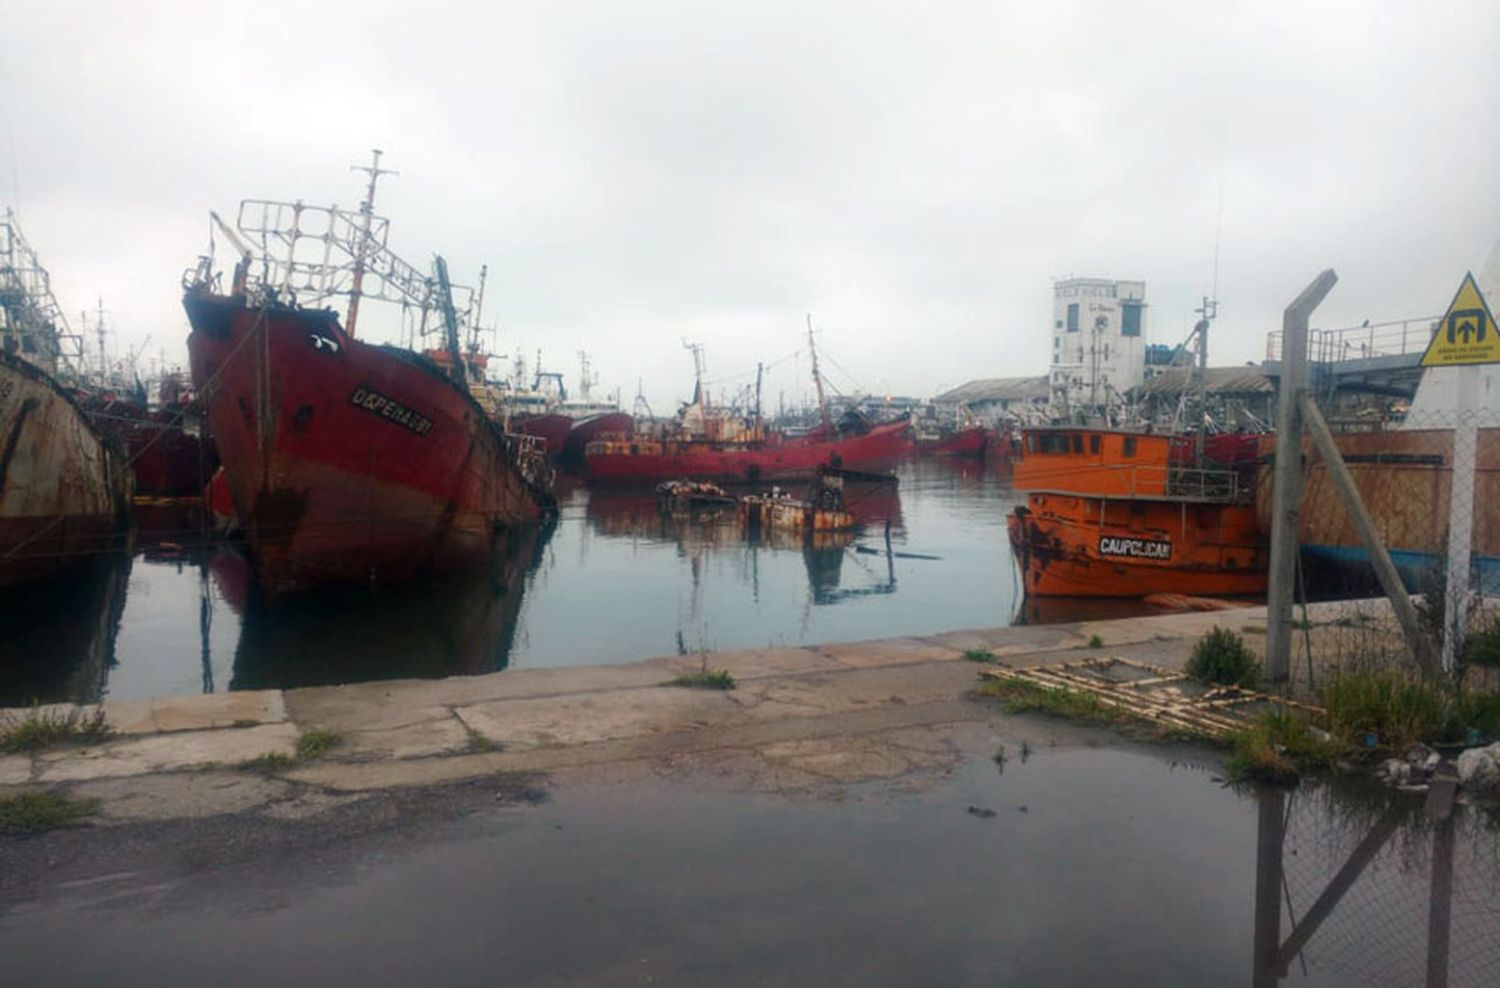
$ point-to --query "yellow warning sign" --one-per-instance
(1467, 333)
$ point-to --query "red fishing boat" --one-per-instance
(1110, 513)
(592, 428)
(705, 443)
(641, 459)
(971, 442)
(348, 461)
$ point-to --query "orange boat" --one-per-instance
(1110, 513)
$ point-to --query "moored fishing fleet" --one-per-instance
(328, 458)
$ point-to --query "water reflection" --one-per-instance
(1360, 882)
(699, 531)
(458, 624)
(59, 638)
(615, 582)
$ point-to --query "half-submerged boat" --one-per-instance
(1111, 513)
(348, 461)
(63, 487)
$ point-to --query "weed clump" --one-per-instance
(315, 743)
(269, 763)
(1095, 641)
(706, 679)
(34, 812)
(1221, 658)
(1395, 709)
(983, 655)
(1277, 748)
(311, 744)
(1022, 697)
(44, 728)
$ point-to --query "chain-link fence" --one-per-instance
(1406, 473)
(1374, 891)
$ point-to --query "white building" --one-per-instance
(1098, 341)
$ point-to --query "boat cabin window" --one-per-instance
(1047, 442)
(1129, 445)
(1094, 444)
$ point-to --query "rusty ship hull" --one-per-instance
(63, 487)
(348, 462)
(1404, 478)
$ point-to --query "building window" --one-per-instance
(1130, 319)
(1094, 444)
(1058, 324)
(1077, 443)
(1072, 317)
(1129, 445)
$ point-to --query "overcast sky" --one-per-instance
(914, 175)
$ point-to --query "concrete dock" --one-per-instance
(801, 720)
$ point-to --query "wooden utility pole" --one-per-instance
(1286, 494)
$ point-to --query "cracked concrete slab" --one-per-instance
(14, 769)
(165, 753)
(889, 651)
(590, 718)
(181, 794)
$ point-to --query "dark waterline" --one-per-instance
(611, 581)
(1093, 867)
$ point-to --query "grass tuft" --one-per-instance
(999, 756)
(1394, 708)
(1220, 657)
(1277, 748)
(983, 655)
(1095, 641)
(478, 741)
(706, 679)
(315, 743)
(1023, 697)
(269, 763)
(44, 728)
(311, 744)
(34, 812)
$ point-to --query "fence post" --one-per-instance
(1286, 493)
(1461, 514)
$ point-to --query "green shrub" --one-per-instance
(981, 655)
(1220, 657)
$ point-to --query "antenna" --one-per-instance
(366, 212)
(1218, 236)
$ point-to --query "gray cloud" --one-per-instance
(914, 175)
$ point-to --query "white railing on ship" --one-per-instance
(1382, 339)
(1225, 486)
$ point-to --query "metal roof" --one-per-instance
(998, 389)
(1249, 379)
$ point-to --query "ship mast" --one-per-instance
(817, 378)
(698, 371)
(1207, 312)
(366, 213)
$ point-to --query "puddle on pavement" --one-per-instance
(1099, 866)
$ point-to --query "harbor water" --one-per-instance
(612, 580)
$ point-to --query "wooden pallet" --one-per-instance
(1157, 695)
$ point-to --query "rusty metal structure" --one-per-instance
(293, 253)
(32, 324)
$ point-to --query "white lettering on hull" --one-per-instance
(1113, 545)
